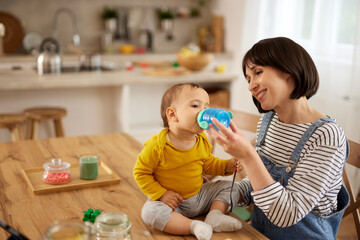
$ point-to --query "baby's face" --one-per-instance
(188, 105)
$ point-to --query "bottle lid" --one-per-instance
(56, 164)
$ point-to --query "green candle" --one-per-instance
(89, 167)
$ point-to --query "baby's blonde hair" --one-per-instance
(169, 97)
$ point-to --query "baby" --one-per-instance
(169, 171)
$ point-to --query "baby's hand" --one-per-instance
(239, 166)
(172, 199)
(233, 165)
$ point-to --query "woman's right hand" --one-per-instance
(172, 199)
(234, 142)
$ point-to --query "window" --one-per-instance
(347, 22)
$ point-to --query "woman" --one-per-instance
(294, 173)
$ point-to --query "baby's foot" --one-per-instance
(201, 230)
(221, 222)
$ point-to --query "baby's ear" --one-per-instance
(171, 114)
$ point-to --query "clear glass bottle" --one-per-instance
(114, 226)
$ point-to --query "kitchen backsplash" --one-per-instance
(38, 15)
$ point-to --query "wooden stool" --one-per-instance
(38, 114)
(15, 123)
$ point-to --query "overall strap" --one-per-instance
(295, 156)
(264, 127)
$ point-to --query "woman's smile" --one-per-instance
(260, 94)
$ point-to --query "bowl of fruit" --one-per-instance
(191, 58)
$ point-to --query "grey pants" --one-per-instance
(157, 214)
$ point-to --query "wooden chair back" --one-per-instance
(353, 208)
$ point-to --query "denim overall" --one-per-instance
(312, 226)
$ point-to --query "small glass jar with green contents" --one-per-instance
(89, 165)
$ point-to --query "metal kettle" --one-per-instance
(49, 60)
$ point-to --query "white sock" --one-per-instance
(221, 222)
(201, 230)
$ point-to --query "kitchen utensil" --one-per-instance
(32, 41)
(49, 60)
(145, 39)
(14, 32)
(89, 61)
(168, 26)
(75, 49)
(122, 31)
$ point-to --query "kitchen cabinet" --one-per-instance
(98, 102)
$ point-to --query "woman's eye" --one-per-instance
(258, 72)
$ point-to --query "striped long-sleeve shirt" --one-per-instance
(317, 178)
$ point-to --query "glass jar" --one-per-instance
(56, 172)
(115, 226)
(68, 231)
(89, 165)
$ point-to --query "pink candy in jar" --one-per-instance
(56, 172)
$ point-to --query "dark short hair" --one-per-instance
(286, 56)
(169, 97)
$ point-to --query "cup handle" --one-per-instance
(204, 125)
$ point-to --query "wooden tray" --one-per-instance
(33, 177)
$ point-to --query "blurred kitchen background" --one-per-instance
(146, 32)
(328, 29)
(87, 19)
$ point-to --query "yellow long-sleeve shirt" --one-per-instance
(160, 166)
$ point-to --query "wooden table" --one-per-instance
(31, 214)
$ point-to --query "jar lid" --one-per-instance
(112, 222)
(56, 164)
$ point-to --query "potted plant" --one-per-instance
(110, 16)
(165, 14)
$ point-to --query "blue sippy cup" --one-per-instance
(204, 117)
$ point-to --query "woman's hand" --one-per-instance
(234, 142)
(231, 139)
(172, 199)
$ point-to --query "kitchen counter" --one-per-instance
(99, 102)
(18, 73)
(27, 78)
